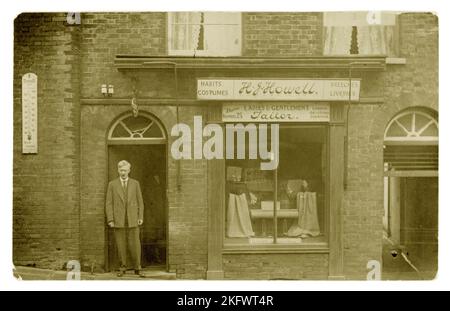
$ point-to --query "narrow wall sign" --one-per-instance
(275, 112)
(278, 89)
(29, 113)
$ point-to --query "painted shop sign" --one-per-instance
(29, 113)
(278, 89)
(275, 112)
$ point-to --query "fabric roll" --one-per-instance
(308, 222)
(239, 224)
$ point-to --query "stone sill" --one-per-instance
(318, 248)
(395, 61)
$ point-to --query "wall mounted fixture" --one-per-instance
(110, 90)
(107, 90)
(104, 89)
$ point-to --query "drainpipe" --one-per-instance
(346, 126)
(349, 103)
(175, 73)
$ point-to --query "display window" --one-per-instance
(298, 186)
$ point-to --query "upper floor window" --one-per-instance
(204, 33)
(360, 33)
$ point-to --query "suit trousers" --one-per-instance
(130, 237)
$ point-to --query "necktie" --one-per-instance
(124, 187)
(125, 197)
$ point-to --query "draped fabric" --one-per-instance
(308, 222)
(337, 40)
(372, 40)
(239, 224)
(185, 30)
(221, 33)
(376, 40)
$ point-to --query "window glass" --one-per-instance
(298, 185)
(205, 33)
(363, 33)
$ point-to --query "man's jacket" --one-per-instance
(116, 205)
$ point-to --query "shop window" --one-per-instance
(204, 33)
(360, 33)
(301, 178)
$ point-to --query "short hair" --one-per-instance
(123, 163)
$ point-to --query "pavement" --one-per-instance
(397, 268)
(394, 268)
(31, 273)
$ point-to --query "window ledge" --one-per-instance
(395, 60)
(372, 63)
(318, 248)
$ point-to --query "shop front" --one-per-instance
(283, 221)
(271, 206)
(289, 145)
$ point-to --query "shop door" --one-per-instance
(148, 166)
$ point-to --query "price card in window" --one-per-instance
(29, 113)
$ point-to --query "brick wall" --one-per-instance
(412, 84)
(275, 266)
(188, 211)
(45, 186)
(47, 207)
(187, 252)
(282, 34)
(106, 35)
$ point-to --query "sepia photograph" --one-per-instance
(225, 145)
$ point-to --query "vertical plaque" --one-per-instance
(29, 113)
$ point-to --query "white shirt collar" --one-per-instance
(123, 180)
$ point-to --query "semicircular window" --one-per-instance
(136, 128)
(412, 126)
(411, 141)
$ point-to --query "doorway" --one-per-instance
(411, 195)
(412, 225)
(148, 166)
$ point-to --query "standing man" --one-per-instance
(125, 213)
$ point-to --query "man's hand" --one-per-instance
(111, 224)
(140, 222)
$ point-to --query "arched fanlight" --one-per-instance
(411, 141)
(140, 128)
(412, 126)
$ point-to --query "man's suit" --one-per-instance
(124, 206)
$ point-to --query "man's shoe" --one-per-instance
(140, 273)
(119, 274)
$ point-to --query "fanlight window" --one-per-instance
(412, 126)
(141, 128)
(411, 142)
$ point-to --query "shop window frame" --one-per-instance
(318, 247)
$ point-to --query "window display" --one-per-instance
(300, 182)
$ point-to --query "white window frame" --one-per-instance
(136, 136)
(411, 133)
(350, 19)
(173, 52)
